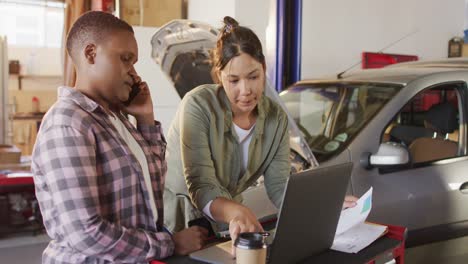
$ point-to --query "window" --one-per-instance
(330, 115)
(429, 124)
(32, 23)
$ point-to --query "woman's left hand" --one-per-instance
(350, 201)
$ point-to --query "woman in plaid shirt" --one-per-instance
(99, 180)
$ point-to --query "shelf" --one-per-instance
(30, 76)
(28, 116)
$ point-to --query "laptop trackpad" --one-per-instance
(220, 253)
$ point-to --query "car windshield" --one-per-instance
(330, 115)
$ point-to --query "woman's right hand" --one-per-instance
(240, 218)
(245, 221)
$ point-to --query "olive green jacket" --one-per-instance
(204, 156)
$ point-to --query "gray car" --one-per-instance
(403, 127)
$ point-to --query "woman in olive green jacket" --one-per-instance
(224, 137)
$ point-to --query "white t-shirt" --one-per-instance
(137, 151)
(245, 137)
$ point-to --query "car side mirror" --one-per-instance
(388, 154)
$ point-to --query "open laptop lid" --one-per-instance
(307, 220)
(310, 212)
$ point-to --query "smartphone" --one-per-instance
(133, 93)
(202, 222)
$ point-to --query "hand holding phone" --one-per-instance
(133, 93)
(139, 103)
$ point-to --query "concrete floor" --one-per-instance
(30, 254)
(22, 248)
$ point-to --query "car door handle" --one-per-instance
(464, 188)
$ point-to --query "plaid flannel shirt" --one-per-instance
(90, 187)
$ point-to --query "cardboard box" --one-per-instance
(9, 154)
(465, 50)
(155, 12)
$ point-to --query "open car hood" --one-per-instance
(182, 49)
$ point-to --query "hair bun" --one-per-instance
(229, 24)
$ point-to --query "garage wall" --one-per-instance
(165, 98)
(48, 61)
(336, 32)
(211, 11)
(252, 14)
(466, 21)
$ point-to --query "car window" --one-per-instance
(329, 115)
(428, 125)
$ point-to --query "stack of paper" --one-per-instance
(353, 233)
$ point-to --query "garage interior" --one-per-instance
(381, 84)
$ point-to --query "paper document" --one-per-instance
(358, 237)
(353, 234)
(353, 216)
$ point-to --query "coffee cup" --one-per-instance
(251, 248)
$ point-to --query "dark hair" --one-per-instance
(94, 25)
(232, 40)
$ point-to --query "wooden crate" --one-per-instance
(155, 12)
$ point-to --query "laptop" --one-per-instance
(307, 219)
